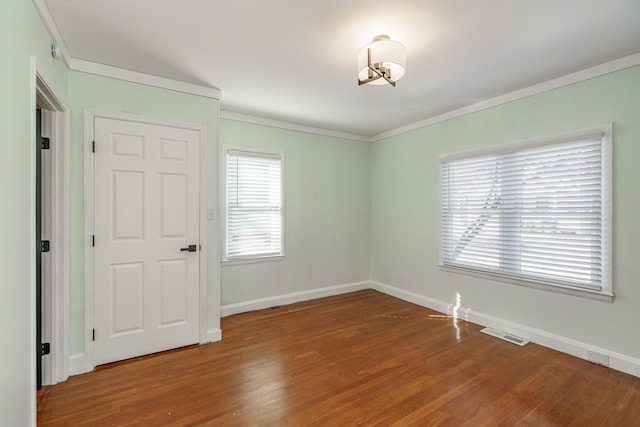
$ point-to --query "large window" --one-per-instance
(253, 217)
(534, 213)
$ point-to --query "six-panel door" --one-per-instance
(146, 211)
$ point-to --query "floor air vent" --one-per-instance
(505, 336)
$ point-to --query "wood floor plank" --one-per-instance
(362, 358)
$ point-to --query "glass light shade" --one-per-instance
(388, 52)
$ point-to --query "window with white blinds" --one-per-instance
(254, 219)
(535, 213)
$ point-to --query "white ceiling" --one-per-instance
(295, 60)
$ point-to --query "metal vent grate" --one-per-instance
(504, 336)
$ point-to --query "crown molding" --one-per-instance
(115, 72)
(569, 79)
(52, 29)
(291, 126)
(142, 78)
(211, 92)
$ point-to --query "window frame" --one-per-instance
(250, 259)
(606, 292)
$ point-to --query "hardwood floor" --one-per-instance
(363, 358)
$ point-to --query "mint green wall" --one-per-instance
(353, 209)
(327, 219)
(22, 36)
(405, 210)
(88, 91)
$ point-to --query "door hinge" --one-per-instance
(93, 334)
(45, 143)
(45, 348)
(45, 246)
(93, 146)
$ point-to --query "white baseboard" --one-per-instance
(617, 361)
(213, 335)
(259, 304)
(78, 364)
(409, 296)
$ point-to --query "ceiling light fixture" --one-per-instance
(381, 61)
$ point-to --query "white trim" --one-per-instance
(88, 356)
(213, 335)
(607, 208)
(604, 296)
(203, 224)
(52, 28)
(133, 76)
(56, 300)
(617, 361)
(139, 118)
(569, 79)
(78, 364)
(48, 93)
(259, 304)
(116, 72)
(412, 297)
(142, 78)
(62, 230)
(598, 131)
(254, 260)
(228, 115)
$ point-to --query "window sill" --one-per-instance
(557, 288)
(254, 260)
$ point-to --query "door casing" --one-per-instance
(55, 308)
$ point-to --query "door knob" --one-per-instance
(190, 248)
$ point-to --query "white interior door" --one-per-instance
(146, 295)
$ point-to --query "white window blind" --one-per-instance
(254, 204)
(539, 213)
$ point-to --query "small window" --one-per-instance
(534, 213)
(254, 195)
